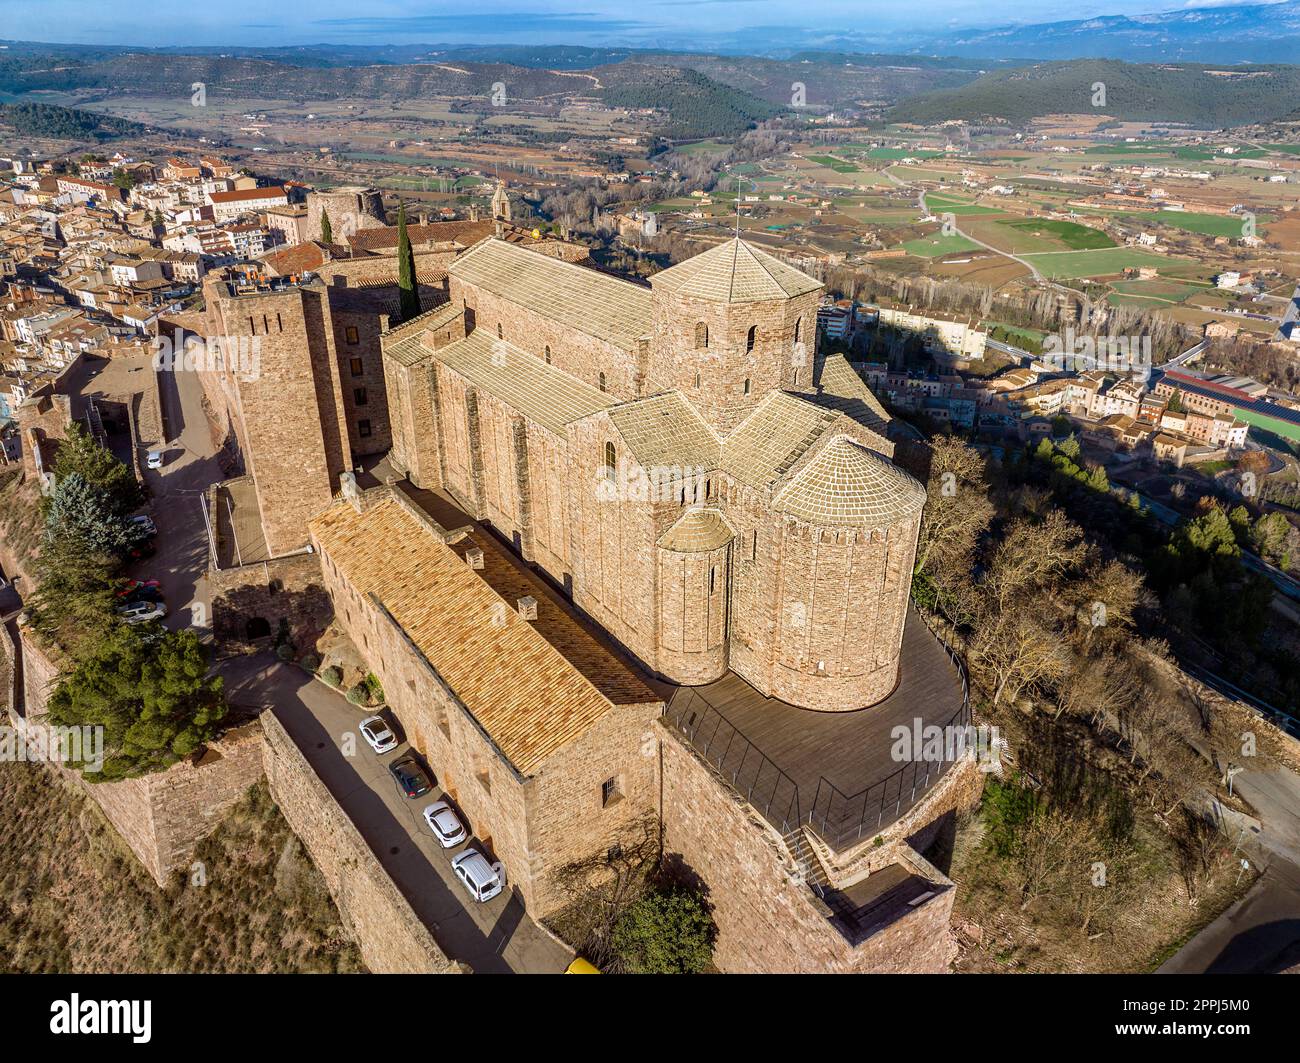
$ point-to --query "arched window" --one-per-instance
(500, 334)
(548, 354)
(746, 385)
(611, 462)
(697, 380)
(798, 325)
(701, 335)
(602, 381)
(750, 338)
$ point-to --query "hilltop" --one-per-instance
(1191, 93)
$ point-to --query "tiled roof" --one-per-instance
(735, 272)
(846, 484)
(522, 690)
(383, 237)
(667, 432)
(697, 530)
(770, 440)
(523, 381)
(244, 194)
(610, 309)
(298, 258)
(843, 390)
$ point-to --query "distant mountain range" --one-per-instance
(1241, 33)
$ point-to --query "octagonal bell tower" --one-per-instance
(731, 325)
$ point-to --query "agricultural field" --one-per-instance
(962, 207)
(1206, 224)
(1103, 262)
(833, 163)
(936, 245)
(1153, 293)
(1073, 236)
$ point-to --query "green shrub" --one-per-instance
(357, 695)
(310, 661)
(374, 689)
(284, 651)
(332, 676)
(665, 933)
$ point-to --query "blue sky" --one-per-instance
(648, 23)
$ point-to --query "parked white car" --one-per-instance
(140, 612)
(144, 522)
(154, 459)
(445, 824)
(378, 735)
(483, 880)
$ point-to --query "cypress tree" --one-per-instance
(408, 296)
(326, 229)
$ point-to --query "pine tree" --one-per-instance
(326, 229)
(408, 295)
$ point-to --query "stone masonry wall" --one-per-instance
(390, 935)
(767, 921)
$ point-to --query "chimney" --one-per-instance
(528, 607)
(474, 557)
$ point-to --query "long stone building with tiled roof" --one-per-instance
(676, 457)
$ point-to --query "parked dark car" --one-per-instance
(411, 777)
(144, 548)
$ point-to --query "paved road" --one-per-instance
(190, 466)
(496, 937)
(1261, 932)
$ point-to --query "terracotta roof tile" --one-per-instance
(528, 697)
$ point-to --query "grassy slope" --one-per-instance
(73, 899)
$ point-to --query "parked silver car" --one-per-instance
(445, 824)
(377, 734)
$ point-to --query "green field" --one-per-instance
(838, 165)
(937, 244)
(1207, 224)
(703, 147)
(1076, 237)
(1287, 149)
(902, 153)
(950, 205)
(1099, 263)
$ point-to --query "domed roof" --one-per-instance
(846, 485)
(697, 531)
(734, 272)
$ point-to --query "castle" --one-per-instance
(675, 457)
(631, 552)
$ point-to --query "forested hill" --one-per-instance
(64, 123)
(694, 105)
(1192, 93)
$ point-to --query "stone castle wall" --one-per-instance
(163, 816)
(391, 937)
(767, 920)
(286, 590)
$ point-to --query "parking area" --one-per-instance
(496, 936)
(190, 465)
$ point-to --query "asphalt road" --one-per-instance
(189, 466)
(1261, 932)
(494, 937)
